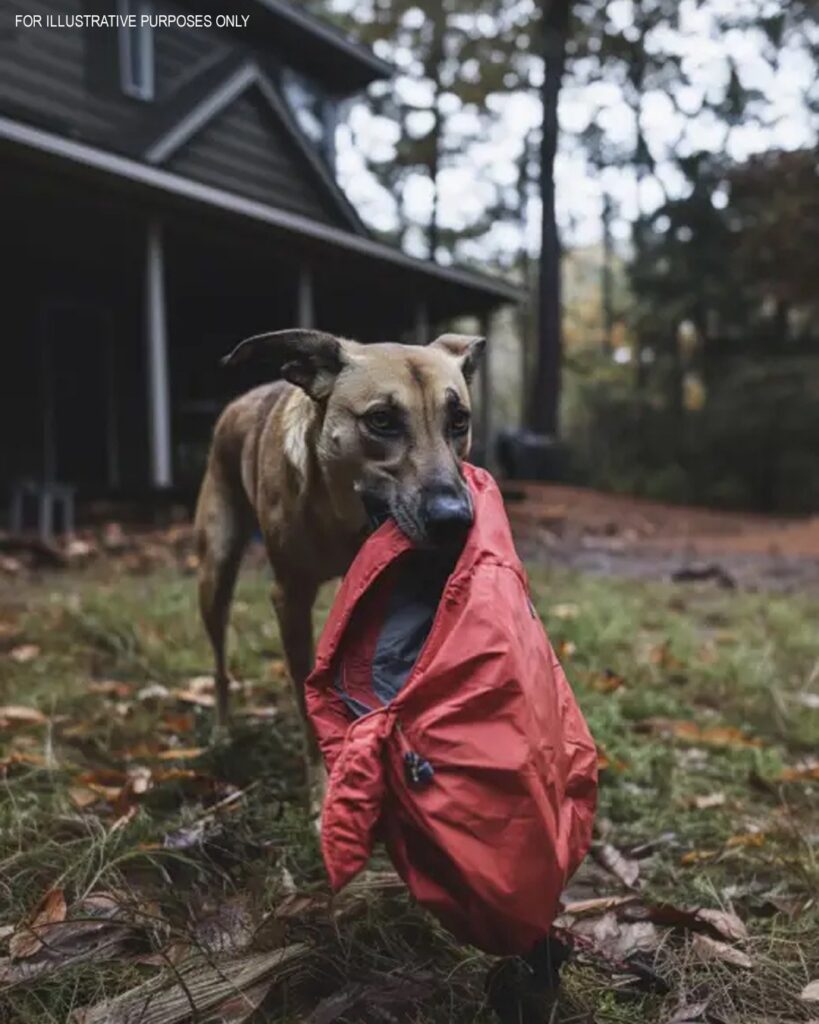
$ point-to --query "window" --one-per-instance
(306, 102)
(136, 50)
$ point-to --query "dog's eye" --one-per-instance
(459, 421)
(383, 422)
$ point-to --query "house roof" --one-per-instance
(213, 92)
(318, 47)
(451, 291)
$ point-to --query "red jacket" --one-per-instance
(470, 759)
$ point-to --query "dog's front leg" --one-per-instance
(293, 602)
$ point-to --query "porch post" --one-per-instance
(421, 322)
(156, 345)
(485, 386)
(305, 304)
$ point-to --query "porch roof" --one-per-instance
(448, 291)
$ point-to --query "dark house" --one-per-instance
(168, 188)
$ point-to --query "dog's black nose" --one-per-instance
(447, 514)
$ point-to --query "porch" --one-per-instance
(127, 290)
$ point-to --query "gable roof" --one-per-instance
(216, 91)
(316, 46)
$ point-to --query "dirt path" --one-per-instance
(619, 535)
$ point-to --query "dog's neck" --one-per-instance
(321, 482)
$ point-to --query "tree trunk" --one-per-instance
(437, 53)
(545, 398)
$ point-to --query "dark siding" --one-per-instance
(67, 80)
(246, 150)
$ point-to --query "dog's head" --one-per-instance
(395, 421)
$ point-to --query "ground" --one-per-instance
(135, 858)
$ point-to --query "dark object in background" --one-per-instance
(702, 573)
(524, 455)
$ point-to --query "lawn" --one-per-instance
(135, 856)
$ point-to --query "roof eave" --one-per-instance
(487, 292)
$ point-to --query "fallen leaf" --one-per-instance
(178, 723)
(19, 714)
(690, 1014)
(566, 649)
(661, 656)
(805, 772)
(596, 905)
(709, 949)
(181, 754)
(109, 778)
(628, 871)
(111, 688)
(606, 762)
(727, 924)
(24, 653)
(264, 712)
(203, 700)
(565, 611)
(745, 839)
(617, 938)
(708, 801)
(810, 993)
(697, 857)
(23, 757)
(690, 732)
(608, 682)
(82, 797)
(26, 939)
(153, 691)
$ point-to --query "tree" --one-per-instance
(545, 399)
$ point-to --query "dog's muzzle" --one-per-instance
(447, 514)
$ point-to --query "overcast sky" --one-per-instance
(490, 162)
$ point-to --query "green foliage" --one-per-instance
(738, 662)
(753, 444)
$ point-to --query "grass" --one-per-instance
(642, 658)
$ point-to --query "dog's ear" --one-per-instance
(310, 359)
(466, 349)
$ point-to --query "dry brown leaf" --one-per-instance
(698, 857)
(806, 772)
(727, 924)
(24, 653)
(710, 949)
(178, 723)
(810, 993)
(181, 754)
(690, 732)
(19, 714)
(617, 938)
(111, 688)
(23, 757)
(596, 905)
(106, 777)
(609, 857)
(26, 939)
(608, 682)
(82, 797)
(203, 700)
(745, 839)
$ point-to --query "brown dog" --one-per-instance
(348, 433)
